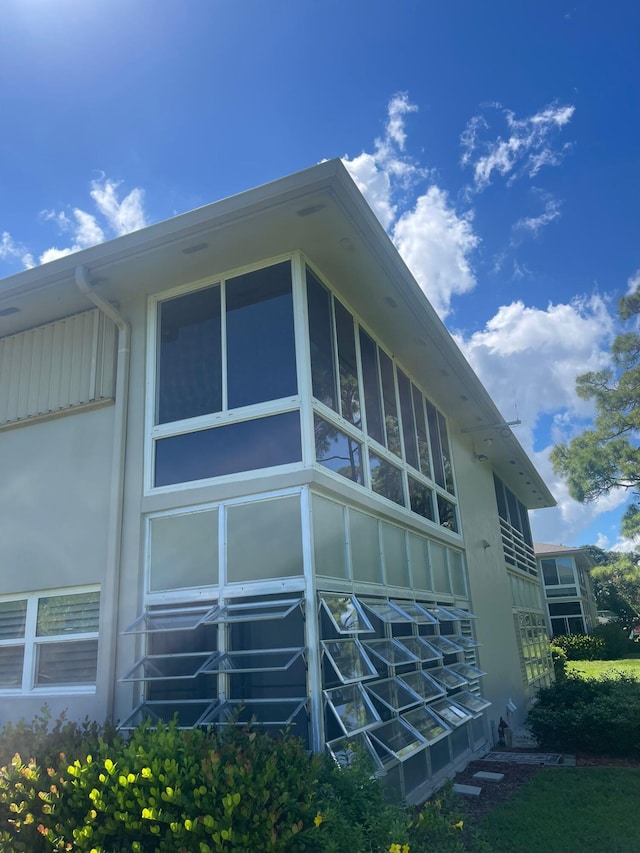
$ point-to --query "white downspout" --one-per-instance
(114, 538)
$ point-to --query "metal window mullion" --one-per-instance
(303, 357)
(223, 344)
(29, 663)
(312, 628)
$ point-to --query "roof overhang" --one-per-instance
(320, 212)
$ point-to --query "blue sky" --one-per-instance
(497, 141)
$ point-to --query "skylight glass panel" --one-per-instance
(390, 652)
(169, 666)
(427, 724)
(352, 707)
(349, 660)
(346, 751)
(252, 611)
(346, 614)
(170, 619)
(423, 685)
(451, 713)
(419, 647)
(467, 643)
(466, 670)
(393, 694)
(471, 702)
(418, 614)
(445, 645)
(447, 677)
(386, 611)
(399, 739)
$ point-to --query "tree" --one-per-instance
(616, 583)
(607, 456)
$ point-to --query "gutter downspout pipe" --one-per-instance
(114, 534)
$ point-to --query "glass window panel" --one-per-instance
(466, 643)
(447, 514)
(457, 572)
(421, 431)
(169, 666)
(252, 611)
(323, 372)
(445, 614)
(394, 549)
(257, 548)
(229, 449)
(514, 515)
(447, 677)
(423, 685)
(385, 611)
(254, 660)
(13, 617)
(439, 569)
(329, 538)
(436, 448)
(390, 652)
(184, 550)
(408, 427)
(345, 751)
(419, 560)
(423, 650)
(459, 613)
(346, 614)
(349, 660)
(392, 426)
(187, 711)
(68, 614)
(466, 670)
(471, 702)
(348, 370)
(421, 499)
(427, 724)
(393, 694)
(266, 712)
(565, 570)
(337, 451)
(450, 712)
(447, 462)
(11, 663)
(352, 708)
(568, 608)
(164, 619)
(372, 396)
(401, 740)
(386, 479)
(445, 645)
(189, 359)
(261, 354)
(419, 615)
(366, 559)
(68, 663)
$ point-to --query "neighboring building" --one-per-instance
(568, 588)
(246, 471)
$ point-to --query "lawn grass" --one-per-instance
(564, 810)
(603, 668)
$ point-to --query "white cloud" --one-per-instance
(525, 149)
(633, 282)
(120, 217)
(434, 239)
(10, 250)
(534, 224)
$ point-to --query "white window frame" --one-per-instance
(31, 642)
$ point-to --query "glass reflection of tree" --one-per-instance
(386, 480)
(349, 395)
(333, 447)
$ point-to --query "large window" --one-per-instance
(226, 349)
(49, 641)
(386, 436)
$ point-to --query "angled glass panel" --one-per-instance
(170, 619)
(163, 667)
(265, 712)
(399, 739)
(444, 614)
(471, 702)
(345, 751)
(466, 670)
(427, 724)
(188, 711)
(352, 707)
(349, 660)
(423, 685)
(385, 611)
(346, 614)
(252, 611)
(418, 614)
(393, 693)
(447, 677)
(419, 647)
(390, 652)
(451, 713)
(466, 643)
(445, 645)
(259, 660)
(461, 614)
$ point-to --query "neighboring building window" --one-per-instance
(558, 571)
(49, 641)
(220, 349)
(566, 618)
(406, 437)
